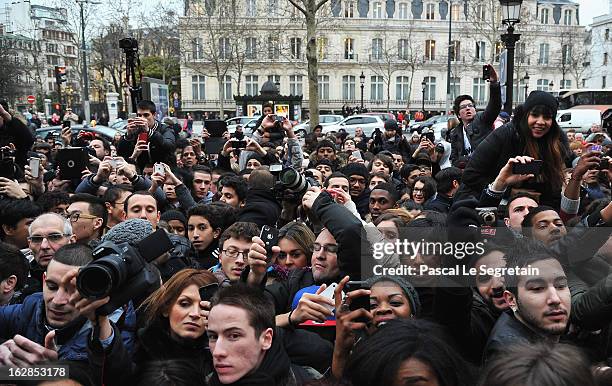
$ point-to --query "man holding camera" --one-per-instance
(147, 140)
(57, 324)
(474, 127)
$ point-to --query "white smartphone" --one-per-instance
(159, 169)
(356, 154)
(329, 293)
(34, 166)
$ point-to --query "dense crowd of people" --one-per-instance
(280, 260)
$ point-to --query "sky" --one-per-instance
(588, 8)
(591, 8)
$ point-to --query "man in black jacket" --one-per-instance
(538, 296)
(448, 181)
(358, 186)
(474, 127)
(159, 144)
(260, 204)
(337, 253)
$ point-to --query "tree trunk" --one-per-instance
(221, 107)
(313, 66)
(388, 94)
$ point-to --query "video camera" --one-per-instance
(291, 184)
(123, 271)
(128, 44)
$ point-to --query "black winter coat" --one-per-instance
(507, 331)
(17, 133)
(479, 129)
(491, 156)
(155, 343)
(260, 208)
(161, 147)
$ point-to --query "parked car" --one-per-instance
(233, 122)
(418, 126)
(383, 116)
(367, 122)
(106, 132)
(120, 125)
(578, 119)
(324, 120)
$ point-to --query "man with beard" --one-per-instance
(539, 298)
(470, 311)
(358, 181)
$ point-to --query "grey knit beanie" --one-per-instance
(407, 288)
(130, 231)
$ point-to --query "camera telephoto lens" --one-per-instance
(99, 278)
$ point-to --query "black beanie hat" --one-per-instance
(326, 143)
(324, 161)
(356, 169)
(541, 98)
(170, 215)
(254, 156)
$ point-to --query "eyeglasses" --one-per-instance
(331, 248)
(119, 203)
(467, 106)
(146, 115)
(75, 216)
(52, 238)
(417, 190)
(234, 253)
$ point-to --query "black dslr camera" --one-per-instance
(123, 271)
(293, 184)
(128, 44)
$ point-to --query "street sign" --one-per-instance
(31, 99)
(176, 103)
(503, 74)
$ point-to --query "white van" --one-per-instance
(578, 119)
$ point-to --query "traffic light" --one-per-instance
(60, 74)
(57, 107)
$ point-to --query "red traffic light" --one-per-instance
(57, 106)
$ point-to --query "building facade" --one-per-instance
(600, 48)
(56, 44)
(400, 46)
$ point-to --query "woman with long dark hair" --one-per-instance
(405, 350)
(533, 134)
(176, 322)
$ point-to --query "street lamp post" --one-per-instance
(511, 11)
(86, 110)
(362, 81)
(526, 79)
(423, 86)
